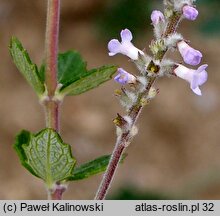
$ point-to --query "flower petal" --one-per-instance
(203, 76)
(196, 78)
(114, 47)
(120, 79)
(184, 73)
(200, 75)
(193, 57)
(126, 35)
(202, 68)
(197, 91)
(194, 82)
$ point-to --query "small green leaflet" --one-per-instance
(25, 66)
(74, 76)
(71, 67)
(90, 80)
(45, 155)
(92, 168)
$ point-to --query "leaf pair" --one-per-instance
(72, 72)
(46, 156)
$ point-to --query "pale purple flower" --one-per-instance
(156, 17)
(124, 77)
(190, 12)
(124, 47)
(190, 55)
(196, 78)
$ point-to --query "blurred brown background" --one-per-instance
(176, 152)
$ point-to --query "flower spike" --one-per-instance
(124, 47)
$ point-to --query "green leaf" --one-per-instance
(21, 138)
(74, 76)
(90, 80)
(91, 168)
(42, 72)
(71, 67)
(45, 155)
(25, 65)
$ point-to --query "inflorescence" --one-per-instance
(166, 38)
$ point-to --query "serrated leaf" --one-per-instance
(25, 65)
(45, 155)
(92, 168)
(90, 80)
(21, 138)
(74, 76)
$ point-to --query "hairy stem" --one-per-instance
(52, 107)
(120, 147)
(109, 174)
(133, 113)
(173, 24)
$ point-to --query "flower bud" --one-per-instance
(124, 77)
(190, 55)
(156, 17)
(190, 12)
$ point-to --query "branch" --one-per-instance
(134, 112)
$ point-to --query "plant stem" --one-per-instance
(109, 174)
(51, 45)
(125, 139)
(51, 51)
(52, 112)
(120, 147)
(52, 107)
(57, 193)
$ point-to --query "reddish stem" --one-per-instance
(57, 193)
(52, 36)
(110, 172)
(51, 51)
